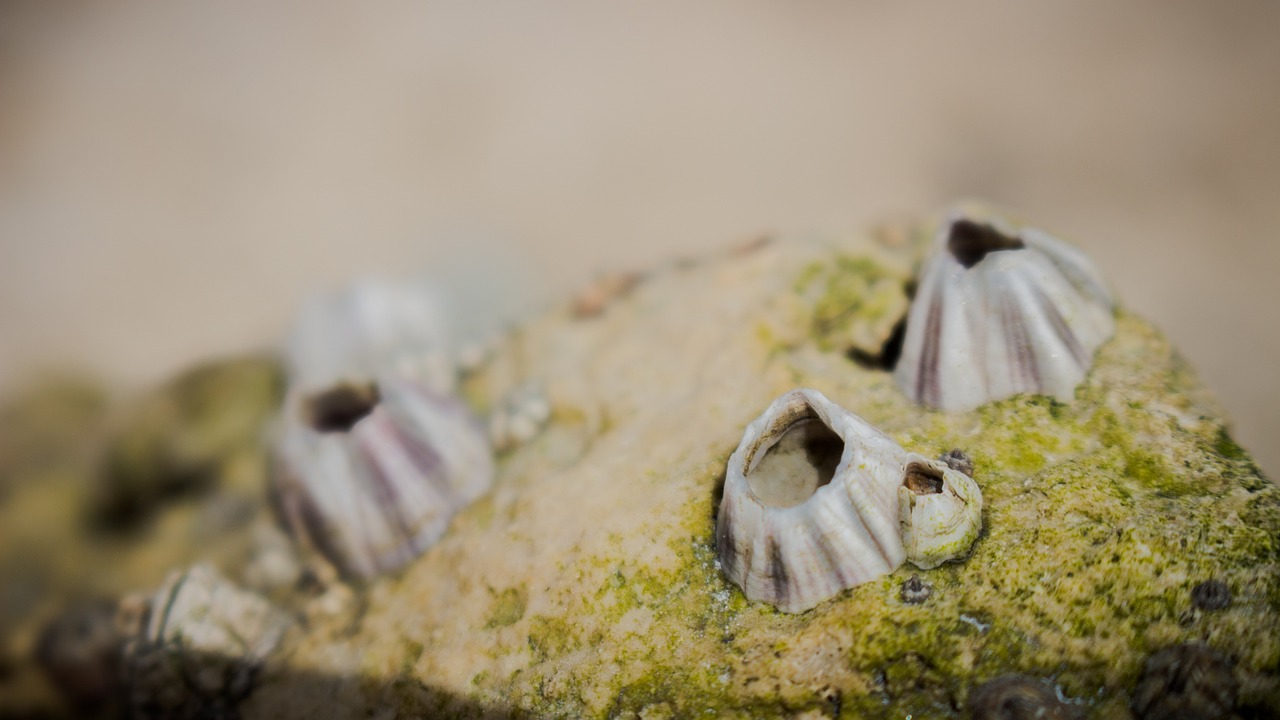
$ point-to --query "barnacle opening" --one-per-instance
(340, 407)
(969, 242)
(922, 479)
(803, 458)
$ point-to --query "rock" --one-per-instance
(181, 437)
(585, 583)
(44, 426)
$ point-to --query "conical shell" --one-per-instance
(371, 474)
(810, 504)
(940, 511)
(368, 328)
(1001, 311)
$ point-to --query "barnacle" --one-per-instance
(811, 505)
(203, 642)
(1001, 311)
(370, 474)
(372, 327)
(940, 510)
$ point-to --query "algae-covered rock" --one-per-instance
(43, 428)
(181, 436)
(585, 584)
(203, 430)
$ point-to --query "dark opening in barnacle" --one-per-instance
(922, 479)
(802, 458)
(969, 241)
(340, 407)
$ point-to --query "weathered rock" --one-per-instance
(184, 436)
(585, 585)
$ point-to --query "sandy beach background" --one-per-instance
(175, 176)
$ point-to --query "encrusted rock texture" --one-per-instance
(585, 584)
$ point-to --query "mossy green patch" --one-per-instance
(508, 607)
(855, 302)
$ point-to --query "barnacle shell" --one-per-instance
(810, 504)
(371, 473)
(940, 510)
(202, 644)
(1001, 311)
(372, 327)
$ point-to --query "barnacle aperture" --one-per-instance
(1001, 311)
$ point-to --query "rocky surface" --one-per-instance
(585, 583)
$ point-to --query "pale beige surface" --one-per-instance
(173, 177)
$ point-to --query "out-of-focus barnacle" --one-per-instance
(1185, 681)
(372, 328)
(1211, 595)
(203, 643)
(1000, 311)
(519, 417)
(370, 474)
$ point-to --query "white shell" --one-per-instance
(374, 489)
(202, 645)
(1001, 311)
(372, 327)
(940, 510)
(788, 540)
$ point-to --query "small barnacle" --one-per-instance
(1001, 311)
(1015, 697)
(915, 590)
(809, 506)
(519, 418)
(1185, 681)
(958, 460)
(1211, 595)
(203, 643)
(372, 328)
(370, 474)
(940, 510)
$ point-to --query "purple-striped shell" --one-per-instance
(817, 501)
(370, 473)
(1001, 311)
(810, 504)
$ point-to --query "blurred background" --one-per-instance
(175, 176)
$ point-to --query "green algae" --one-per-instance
(848, 296)
(508, 607)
